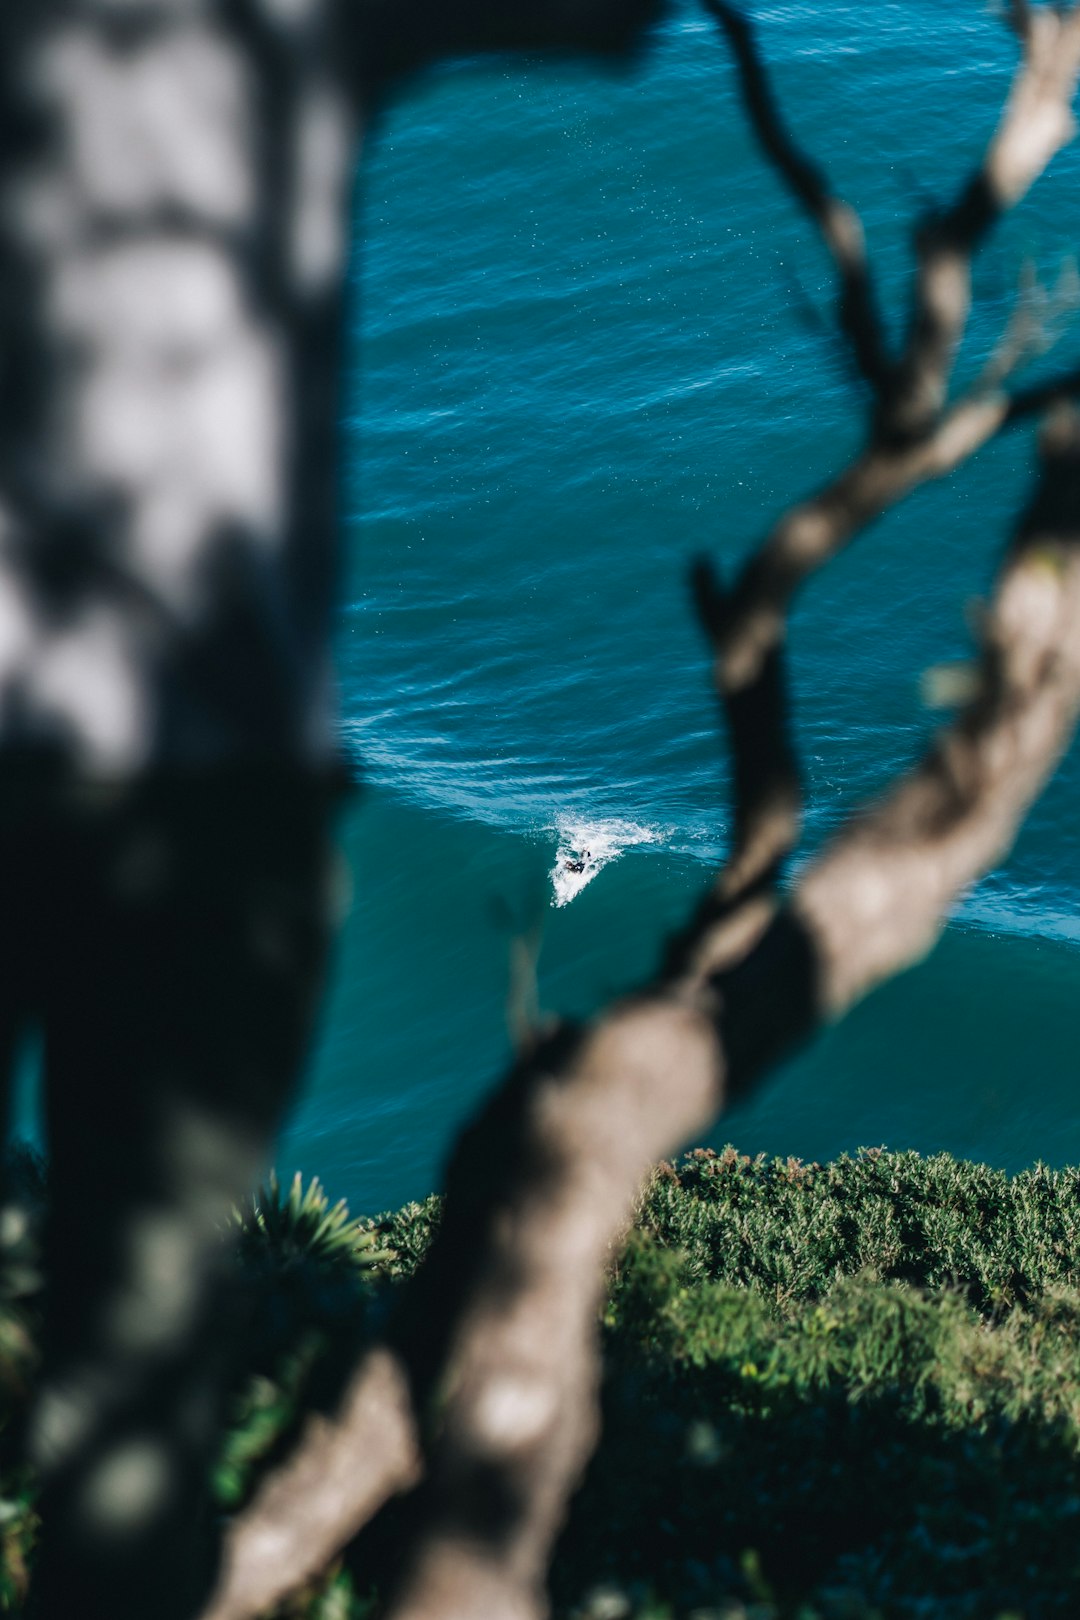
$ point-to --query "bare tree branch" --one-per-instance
(518, 1386)
(888, 880)
(913, 436)
(1018, 15)
(1036, 124)
(840, 226)
(1039, 397)
(498, 1330)
(768, 791)
(519, 1394)
(342, 1471)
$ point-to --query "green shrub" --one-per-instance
(831, 1392)
(842, 1390)
(789, 1229)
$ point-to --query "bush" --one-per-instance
(842, 1390)
(832, 1392)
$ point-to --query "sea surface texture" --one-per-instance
(590, 341)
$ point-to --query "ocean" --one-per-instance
(587, 345)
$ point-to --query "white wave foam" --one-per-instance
(595, 844)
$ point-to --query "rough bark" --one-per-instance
(342, 1471)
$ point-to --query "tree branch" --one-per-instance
(1036, 124)
(840, 226)
(1039, 397)
(498, 1330)
(518, 1395)
(889, 878)
(913, 435)
(768, 790)
(342, 1471)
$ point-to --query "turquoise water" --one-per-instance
(583, 354)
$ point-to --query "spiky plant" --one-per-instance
(301, 1225)
(311, 1270)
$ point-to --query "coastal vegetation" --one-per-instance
(831, 1392)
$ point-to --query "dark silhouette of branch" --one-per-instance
(875, 900)
(1036, 123)
(767, 787)
(494, 1342)
(341, 1472)
(914, 434)
(574, 1129)
(1018, 14)
(1040, 396)
(840, 226)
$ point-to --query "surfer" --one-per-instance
(577, 863)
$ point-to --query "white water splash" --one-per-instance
(593, 844)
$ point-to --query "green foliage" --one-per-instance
(313, 1272)
(876, 1450)
(19, 1283)
(405, 1235)
(843, 1392)
(300, 1227)
(840, 1392)
(787, 1229)
(18, 1531)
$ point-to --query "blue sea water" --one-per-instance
(584, 351)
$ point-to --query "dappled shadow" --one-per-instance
(713, 1483)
